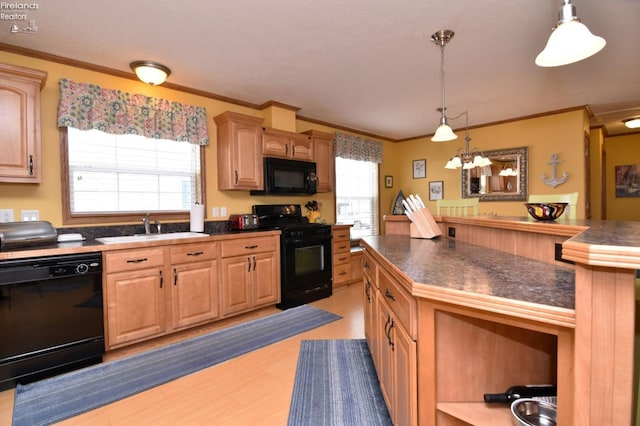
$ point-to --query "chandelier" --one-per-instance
(469, 157)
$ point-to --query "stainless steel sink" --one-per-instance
(150, 237)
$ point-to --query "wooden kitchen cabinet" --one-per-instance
(390, 329)
(135, 283)
(341, 251)
(250, 273)
(239, 151)
(195, 285)
(324, 158)
(282, 144)
(20, 123)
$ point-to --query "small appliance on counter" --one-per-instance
(25, 234)
(243, 221)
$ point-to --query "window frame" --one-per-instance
(69, 218)
(335, 199)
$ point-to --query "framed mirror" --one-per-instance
(504, 180)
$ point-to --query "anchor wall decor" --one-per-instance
(555, 180)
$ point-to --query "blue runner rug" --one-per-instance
(336, 384)
(55, 399)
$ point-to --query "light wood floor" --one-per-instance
(252, 389)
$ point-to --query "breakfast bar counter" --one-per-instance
(496, 306)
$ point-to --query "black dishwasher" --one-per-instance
(51, 316)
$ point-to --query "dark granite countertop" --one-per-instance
(453, 265)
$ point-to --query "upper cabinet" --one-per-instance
(239, 151)
(243, 143)
(281, 144)
(323, 156)
(20, 123)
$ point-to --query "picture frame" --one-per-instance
(420, 169)
(388, 181)
(628, 180)
(436, 190)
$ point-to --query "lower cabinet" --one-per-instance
(250, 274)
(157, 290)
(390, 320)
(135, 295)
(194, 284)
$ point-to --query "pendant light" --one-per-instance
(443, 132)
(150, 72)
(571, 41)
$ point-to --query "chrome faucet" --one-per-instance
(158, 226)
(145, 222)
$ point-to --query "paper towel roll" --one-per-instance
(197, 218)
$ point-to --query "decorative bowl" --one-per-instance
(533, 412)
(546, 211)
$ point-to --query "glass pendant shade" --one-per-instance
(150, 72)
(571, 41)
(443, 134)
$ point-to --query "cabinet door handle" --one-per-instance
(144, 259)
(249, 264)
(254, 263)
(195, 253)
(175, 277)
(393, 346)
(293, 151)
(236, 173)
(367, 291)
(251, 247)
(365, 265)
(342, 258)
(31, 165)
(387, 326)
(161, 279)
(389, 295)
(286, 150)
(342, 273)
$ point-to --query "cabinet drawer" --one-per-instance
(134, 259)
(185, 253)
(341, 273)
(341, 258)
(341, 247)
(341, 235)
(400, 302)
(243, 246)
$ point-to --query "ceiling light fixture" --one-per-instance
(150, 72)
(633, 123)
(443, 132)
(468, 158)
(571, 41)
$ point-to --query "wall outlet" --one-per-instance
(29, 215)
(223, 211)
(216, 212)
(6, 215)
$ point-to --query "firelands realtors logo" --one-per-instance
(18, 16)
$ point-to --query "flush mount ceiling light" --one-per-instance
(468, 158)
(443, 132)
(633, 123)
(571, 41)
(150, 72)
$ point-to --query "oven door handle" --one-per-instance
(309, 241)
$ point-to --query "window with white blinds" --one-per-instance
(357, 196)
(129, 173)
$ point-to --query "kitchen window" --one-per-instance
(126, 154)
(119, 177)
(357, 196)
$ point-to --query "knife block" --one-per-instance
(423, 225)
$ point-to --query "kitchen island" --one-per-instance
(491, 308)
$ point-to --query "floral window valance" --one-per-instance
(357, 148)
(86, 106)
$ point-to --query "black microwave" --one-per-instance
(288, 177)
